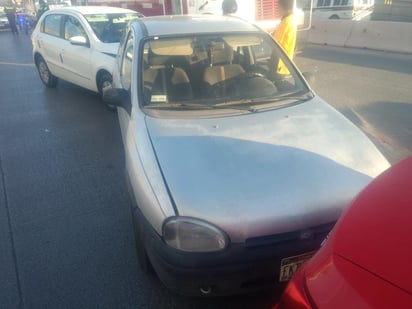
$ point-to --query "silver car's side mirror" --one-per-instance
(117, 97)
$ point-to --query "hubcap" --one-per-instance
(44, 72)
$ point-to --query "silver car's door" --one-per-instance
(125, 68)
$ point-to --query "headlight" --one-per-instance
(193, 235)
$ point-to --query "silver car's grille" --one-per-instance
(310, 234)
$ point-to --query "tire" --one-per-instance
(144, 262)
(334, 17)
(105, 80)
(48, 79)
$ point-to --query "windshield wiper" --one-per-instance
(250, 105)
(174, 105)
(267, 100)
(198, 106)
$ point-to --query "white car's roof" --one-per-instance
(185, 24)
(85, 10)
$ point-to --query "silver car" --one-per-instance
(237, 173)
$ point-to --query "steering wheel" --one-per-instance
(260, 71)
(226, 87)
(255, 74)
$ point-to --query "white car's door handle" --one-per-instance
(61, 55)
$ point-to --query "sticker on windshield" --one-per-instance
(158, 98)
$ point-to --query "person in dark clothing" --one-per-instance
(43, 7)
(229, 7)
(10, 10)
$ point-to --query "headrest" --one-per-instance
(179, 47)
(221, 55)
(156, 60)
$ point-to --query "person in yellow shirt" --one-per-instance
(285, 33)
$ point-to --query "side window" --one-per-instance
(72, 27)
(127, 63)
(52, 24)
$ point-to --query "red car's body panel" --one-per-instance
(366, 262)
(376, 232)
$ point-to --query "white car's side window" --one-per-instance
(72, 27)
(52, 24)
(126, 64)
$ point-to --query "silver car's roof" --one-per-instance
(184, 24)
(85, 10)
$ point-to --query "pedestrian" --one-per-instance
(10, 10)
(229, 7)
(43, 7)
(285, 33)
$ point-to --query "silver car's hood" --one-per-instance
(266, 172)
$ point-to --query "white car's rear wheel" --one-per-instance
(48, 79)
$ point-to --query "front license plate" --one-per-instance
(289, 265)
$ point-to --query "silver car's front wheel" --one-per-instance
(143, 259)
(46, 77)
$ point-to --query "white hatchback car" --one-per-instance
(79, 44)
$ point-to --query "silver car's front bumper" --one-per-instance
(242, 267)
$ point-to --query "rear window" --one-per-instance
(52, 24)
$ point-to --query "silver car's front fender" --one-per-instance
(143, 171)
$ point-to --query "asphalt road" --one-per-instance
(371, 88)
(65, 230)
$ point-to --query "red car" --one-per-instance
(366, 261)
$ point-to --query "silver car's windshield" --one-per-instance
(109, 27)
(217, 70)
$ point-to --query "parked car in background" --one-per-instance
(4, 22)
(237, 173)
(79, 44)
(365, 262)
